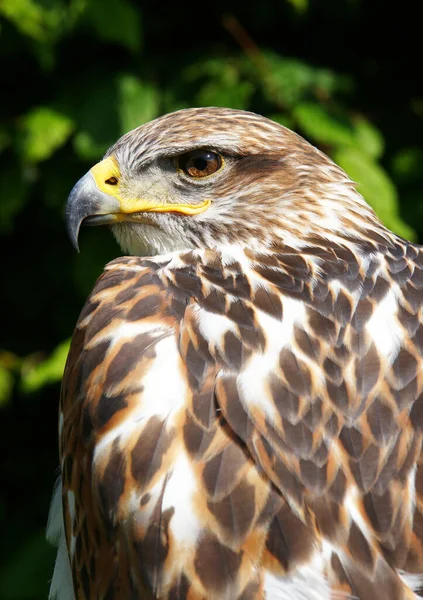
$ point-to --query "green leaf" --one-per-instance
(96, 115)
(322, 126)
(300, 6)
(48, 371)
(210, 68)
(220, 93)
(116, 21)
(41, 21)
(337, 128)
(407, 165)
(6, 385)
(87, 147)
(222, 83)
(376, 187)
(368, 137)
(282, 119)
(138, 102)
(287, 82)
(44, 131)
(28, 16)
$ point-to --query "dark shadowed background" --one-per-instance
(75, 75)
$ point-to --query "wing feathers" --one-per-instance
(242, 421)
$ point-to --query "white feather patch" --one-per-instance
(179, 495)
(307, 583)
(384, 328)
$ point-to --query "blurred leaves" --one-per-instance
(33, 18)
(375, 185)
(96, 117)
(287, 82)
(44, 23)
(44, 131)
(355, 145)
(32, 373)
(116, 21)
(336, 127)
(138, 102)
(220, 83)
(407, 165)
(300, 6)
(6, 385)
(323, 126)
(368, 138)
(36, 375)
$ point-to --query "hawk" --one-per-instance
(241, 413)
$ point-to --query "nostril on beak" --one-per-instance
(111, 181)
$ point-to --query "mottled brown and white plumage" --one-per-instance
(241, 413)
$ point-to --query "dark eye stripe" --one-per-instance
(199, 163)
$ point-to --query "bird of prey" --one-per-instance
(241, 413)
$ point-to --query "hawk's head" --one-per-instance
(213, 176)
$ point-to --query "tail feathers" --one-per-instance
(61, 587)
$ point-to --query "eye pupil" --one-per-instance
(199, 163)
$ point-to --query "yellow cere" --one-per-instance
(103, 171)
(108, 168)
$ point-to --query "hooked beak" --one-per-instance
(89, 205)
(96, 200)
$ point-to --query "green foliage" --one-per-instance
(6, 385)
(368, 138)
(32, 18)
(138, 102)
(355, 145)
(300, 6)
(287, 82)
(43, 23)
(116, 21)
(36, 375)
(336, 128)
(219, 83)
(323, 126)
(407, 165)
(78, 74)
(375, 185)
(44, 131)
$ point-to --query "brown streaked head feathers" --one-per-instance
(241, 413)
(273, 184)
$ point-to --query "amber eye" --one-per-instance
(200, 163)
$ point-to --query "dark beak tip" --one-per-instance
(75, 244)
(79, 206)
(72, 228)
